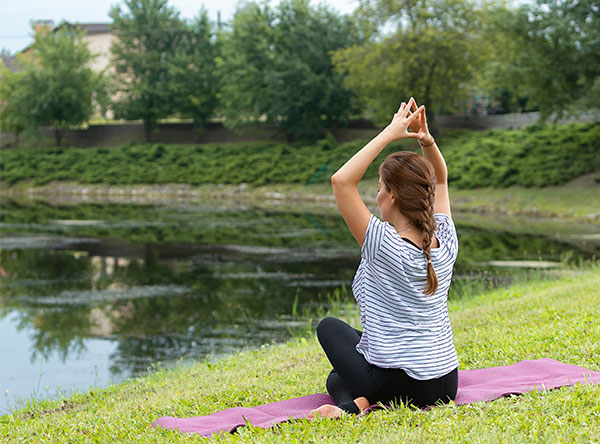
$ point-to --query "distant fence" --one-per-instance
(514, 121)
(120, 134)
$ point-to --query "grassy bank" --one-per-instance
(556, 319)
(532, 157)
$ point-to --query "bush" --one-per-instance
(536, 156)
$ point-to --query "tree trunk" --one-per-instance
(431, 123)
(198, 129)
(57, 135)
(433, 129)
(148, 127)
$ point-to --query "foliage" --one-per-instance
(276, 64)
(433, 55)
(252, 163)
(193, 80)
(147, 33)
(56, 87)
(549, 55)
(501, 46)
(245, 57)
(13, 109)
(535, 156)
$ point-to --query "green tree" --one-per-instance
(147, 33)
(557, 63)
(247, 54)
(13, 113)
(56, 86)
(276, 64)
(501, 47)
(192, 72)
(433, 54)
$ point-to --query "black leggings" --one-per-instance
(352, 376)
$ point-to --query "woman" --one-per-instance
(406, 352)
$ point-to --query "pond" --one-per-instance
(93, 293)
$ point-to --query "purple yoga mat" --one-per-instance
(483, 384)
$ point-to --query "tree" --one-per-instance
(146, 35)
(276, 64)
(247, 54)
(13, 115)
(434, 54)
(56, 86)
(501, 46)
(557, 64)
(192, 72)
(303, 87)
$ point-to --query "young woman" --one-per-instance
(406, 352)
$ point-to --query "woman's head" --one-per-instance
(410, 179)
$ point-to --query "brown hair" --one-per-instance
(411, 179)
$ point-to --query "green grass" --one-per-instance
(557, 319)
(577, 200)
(537, 156)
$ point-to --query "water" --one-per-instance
(94, 293)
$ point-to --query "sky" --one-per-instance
(15, 15)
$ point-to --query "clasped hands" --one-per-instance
(409, 116)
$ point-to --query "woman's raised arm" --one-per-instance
(432, 153)
(346, 179)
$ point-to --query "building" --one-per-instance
(98, 37)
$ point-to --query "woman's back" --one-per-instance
(403, 327)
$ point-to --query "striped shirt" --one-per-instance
(403, 327)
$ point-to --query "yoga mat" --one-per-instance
(476, 385)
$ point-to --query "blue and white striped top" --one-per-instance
(403, 327)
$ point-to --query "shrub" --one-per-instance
(536, 156)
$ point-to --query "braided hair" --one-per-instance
(411, 179)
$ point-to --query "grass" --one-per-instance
(580, 198)
(577, 199)
(557, 319)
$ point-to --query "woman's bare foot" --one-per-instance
(327, 410)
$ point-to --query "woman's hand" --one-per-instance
(419, 125)
(398, 127)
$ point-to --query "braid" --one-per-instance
(411, 178)
(428, 226)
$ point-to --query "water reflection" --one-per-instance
(161, 283)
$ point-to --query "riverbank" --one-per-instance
(557, 319)
(578, 199)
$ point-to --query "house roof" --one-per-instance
(11, 62)
(90, 28)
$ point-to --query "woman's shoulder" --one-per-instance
(442, 217)
(446, 231)
(443, 222)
